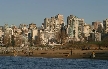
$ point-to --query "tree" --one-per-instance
(105, 41)
(13, 41)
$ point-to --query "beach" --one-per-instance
(59, 53)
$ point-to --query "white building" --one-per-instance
(75, 27)
(97, 36)
(1, 37)
(34, 34)
(1, 33)
(42, 39)
(86, 31)
(105, 25)
(51, 27)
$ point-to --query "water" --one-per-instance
(50, 63)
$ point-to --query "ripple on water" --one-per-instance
(50, 63)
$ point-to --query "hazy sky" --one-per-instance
(27, 11)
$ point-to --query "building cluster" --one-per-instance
(53, 31)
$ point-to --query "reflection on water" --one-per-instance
(50, 63)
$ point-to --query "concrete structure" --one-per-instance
(33, 31)
(60, 18)
(97, 36)
(51, 27)
(98, 26)
(42, 39)
(34, 34)
(32, 26)
(72, 22)
(86, 31)
(8, 32)
(53, 21)
(5, 27)
(75, 27)
(1, 31)
(18, 40)
(94, 36)
(24, 29)
(1, 37)
(105, 24)
(19, 31)
(54, 31)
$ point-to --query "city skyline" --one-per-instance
(26, 11)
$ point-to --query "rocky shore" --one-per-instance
(69, 54)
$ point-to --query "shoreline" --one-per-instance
(75, 54)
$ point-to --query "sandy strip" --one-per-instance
(83, 54)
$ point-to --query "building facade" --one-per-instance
(105, 24)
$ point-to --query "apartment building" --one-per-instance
(8, 35)
(1, 36)
(53, 21)
(86, 31)
(1, 31)
(33, 31)
(41, 36)
(32, 26)
(75, 27)
(60, 18)
(52, 27)
(98, 26)
(105, 25)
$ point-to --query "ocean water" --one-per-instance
(8, 62)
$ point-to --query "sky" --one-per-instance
(27, 11)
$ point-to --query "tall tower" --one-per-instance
(53, 21)
(75, 27)
(60, 18)
(105, 24)
(46, 22)
(72, 22)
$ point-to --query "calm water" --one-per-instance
(50, 63)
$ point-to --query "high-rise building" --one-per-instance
(33, 31)
(53, 21)
(52, 27)
(73, 29)
(32, 26)
(95, 25)
(60, 18)
(105, 25)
